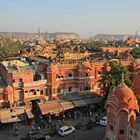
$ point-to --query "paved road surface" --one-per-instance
(96, 133)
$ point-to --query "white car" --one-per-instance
(65, 130)
(103, 121)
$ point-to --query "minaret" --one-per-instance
(39, 36)
(136, 35)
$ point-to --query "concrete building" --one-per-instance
(19, 81)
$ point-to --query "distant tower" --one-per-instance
(39, 35)
(136, 35)
(46, 35)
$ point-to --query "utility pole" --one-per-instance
(46, 35)
(38, 33)
(136, 34)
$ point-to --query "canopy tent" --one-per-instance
(29, 114)
(66, 105)
(52, 107)
(11, 120)
(5, 116)
(91, 101)
(79, 103)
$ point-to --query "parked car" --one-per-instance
(103, 121)
(65, 130)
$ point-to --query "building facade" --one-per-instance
(19, 81)
(122, 108)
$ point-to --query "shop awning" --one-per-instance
(71, 97)
(29, 114)
(79, 103)
(66, 105)
(11, 120)
(52, 107)
(90, 101)
(17, 111)
(5, 114)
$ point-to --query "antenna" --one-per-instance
(46, 35)
(38, 32)
(136, 34)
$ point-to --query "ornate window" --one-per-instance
(69, 74)
(69, 89)
(121, 131)
(135, 135)
(58, 90)
(132, 122)
(111, 127)
(131, 132)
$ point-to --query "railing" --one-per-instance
(28, 84)
(74, 78)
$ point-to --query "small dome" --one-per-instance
(125, 96)
(137, 64)
(123, 91)
(87, 65)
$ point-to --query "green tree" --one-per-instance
(9, 47)
(93, 44)
(113, 78)
(135, 52)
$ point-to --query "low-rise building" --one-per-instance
(19, 81)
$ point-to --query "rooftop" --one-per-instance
(16, 65)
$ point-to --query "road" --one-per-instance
(96, 133)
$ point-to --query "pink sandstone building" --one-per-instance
(123, 109)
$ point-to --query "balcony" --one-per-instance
(65, 78)
(29, 84)
(74, 78)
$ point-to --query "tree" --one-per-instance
(94, 44)
(113, 78)
(135, 52)
(9, 47)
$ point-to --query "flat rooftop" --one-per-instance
(16, 65)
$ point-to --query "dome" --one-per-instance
(137, 64)
(123, 91)
(125, 97)
(87, 65)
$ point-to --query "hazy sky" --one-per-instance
(85, 17)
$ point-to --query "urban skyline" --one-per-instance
(86, 18)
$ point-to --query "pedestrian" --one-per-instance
(63, 117)
(16, 131)
(90, 114)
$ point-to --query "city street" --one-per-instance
(96, 133)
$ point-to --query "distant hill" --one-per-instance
(109, 36)
(31, 36)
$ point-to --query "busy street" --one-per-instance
(97, 132)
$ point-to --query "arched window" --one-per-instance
(70, 74)
(58, 90)
(33, 91)
(135, 135)
(131, 132)
(69, 89)
(122, 131)
(132, 121)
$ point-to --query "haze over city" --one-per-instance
(69, 70)
(85, 17)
